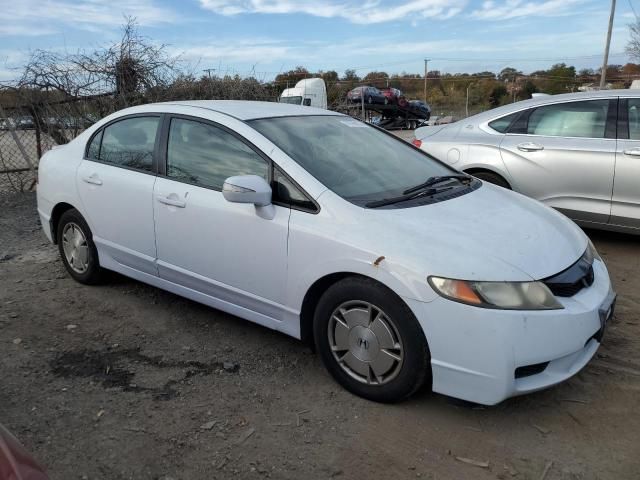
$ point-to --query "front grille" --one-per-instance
(570, 281)
(570, 289)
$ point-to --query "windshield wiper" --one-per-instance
(404, 197)
(435, 180)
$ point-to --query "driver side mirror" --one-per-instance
(247, 189)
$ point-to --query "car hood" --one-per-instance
(488, 234)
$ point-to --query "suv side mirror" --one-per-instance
(247, 189)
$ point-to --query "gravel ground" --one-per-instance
(124, 381)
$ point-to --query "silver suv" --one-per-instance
(578, 152)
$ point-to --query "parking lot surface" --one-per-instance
(125, 381)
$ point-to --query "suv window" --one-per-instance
(129, 143)
(502, 124)
(206, 155)
(633, 114)
(572, 119)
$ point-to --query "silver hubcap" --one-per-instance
(365, 343)
(75, 247)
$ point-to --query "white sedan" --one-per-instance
(400, 270)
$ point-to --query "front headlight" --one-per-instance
(592, 253)
(501, 295)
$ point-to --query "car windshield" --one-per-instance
(351, 158)
(293, 100)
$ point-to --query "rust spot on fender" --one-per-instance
(376, 263)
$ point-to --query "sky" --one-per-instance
(265, 37)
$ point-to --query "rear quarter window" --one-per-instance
(502, 124)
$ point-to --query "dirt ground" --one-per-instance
(124, 381)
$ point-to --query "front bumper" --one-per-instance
(475, 351)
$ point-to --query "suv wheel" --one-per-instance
(370, 341)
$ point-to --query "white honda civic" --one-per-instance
(402, 271)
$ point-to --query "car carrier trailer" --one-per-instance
(390, 116)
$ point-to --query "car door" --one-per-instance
(625, 202)
(115, 182)
(563, 154)
(236, 253)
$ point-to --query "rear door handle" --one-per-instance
(92, 179)
(530, 147)
(634, 152)
(174, 202)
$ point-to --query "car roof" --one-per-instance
(549, 99)
(249, 110)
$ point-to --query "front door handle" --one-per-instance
(530, 147)
(92, 179)
(174, 202)
(634, 152)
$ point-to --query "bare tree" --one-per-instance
(633, 45)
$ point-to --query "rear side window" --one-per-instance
(501, 125)
(633, 114)
(205, 155)
(93, 152)
(573, 119)
(129, 143)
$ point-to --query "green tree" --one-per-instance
(509, 74)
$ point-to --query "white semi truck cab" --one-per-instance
(311, 92)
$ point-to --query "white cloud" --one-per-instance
(244, 50)
(363, 12)
(34, 17)
(509, 9)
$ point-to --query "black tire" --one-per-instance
(415, 368)
(93, 273)
(492, 178)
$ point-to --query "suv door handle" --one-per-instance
(634, 152)
(174, 202)
(530, 147)
(92, 179)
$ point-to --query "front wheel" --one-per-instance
(370, 341)
(77, 250)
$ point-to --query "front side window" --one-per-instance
(285, 191)
(205, 155)
(573, 119)
(130, 143)
(355, 160)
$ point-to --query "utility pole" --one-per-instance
(603, 73)
(209, 70)
(466, 107)
(426, 61)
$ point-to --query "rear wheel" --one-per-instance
(492, 178)
(370, 341)
(77, 250)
